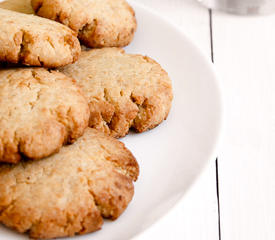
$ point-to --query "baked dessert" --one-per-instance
(35, 41)
(70, 192)
(123, 90)
(40, 110)
(98, 23)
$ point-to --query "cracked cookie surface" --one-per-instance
(70, 192)
(36, 41)
(99, 23)
(40, 111)
(124, 90)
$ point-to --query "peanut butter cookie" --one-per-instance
(124, 90)
(99, 23)
(70, 192)
(40, 111)
(22, 6)
(36, 41)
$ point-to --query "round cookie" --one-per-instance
(99, 23)
(70, 192)
(124, 90)
(23, 6)
(35, 41)
(40, 111)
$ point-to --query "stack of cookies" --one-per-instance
(62, 168)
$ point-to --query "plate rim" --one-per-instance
(221, 123)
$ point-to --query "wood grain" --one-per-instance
(244, 55)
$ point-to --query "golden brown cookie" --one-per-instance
(99, 23)
(23, 6)
(124, 90)
(36, 41)
(40, 111)
(69, 192)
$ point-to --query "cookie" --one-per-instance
(35, 41)
(124, 90)
(70, 192)
(23, 6)
(40, 111)
(99, 23)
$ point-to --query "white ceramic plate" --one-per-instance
(172, 155)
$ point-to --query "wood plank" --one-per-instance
(244, 55)
(196, 216)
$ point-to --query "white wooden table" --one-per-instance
(235, 197)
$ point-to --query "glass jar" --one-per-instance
(247, 7)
